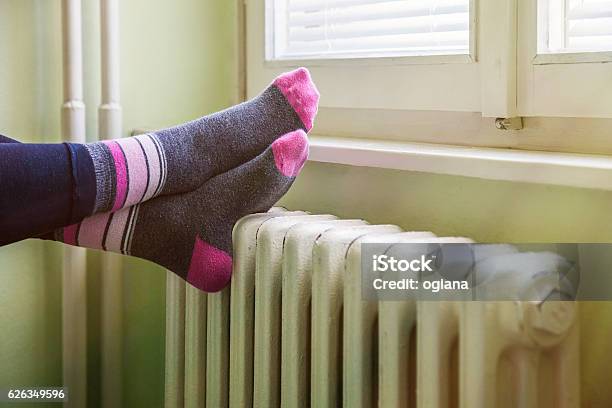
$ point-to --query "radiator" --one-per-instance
(292, 330)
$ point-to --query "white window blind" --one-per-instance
(302, 29)
(574, 26)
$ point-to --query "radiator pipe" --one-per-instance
(74, 293)
(110, 127)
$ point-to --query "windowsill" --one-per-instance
(564, 169)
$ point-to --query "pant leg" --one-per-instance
(43, 187)
(6, 139)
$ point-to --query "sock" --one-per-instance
(180, 159)
(191, 233)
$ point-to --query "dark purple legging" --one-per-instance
(42, 187)
(5, 139)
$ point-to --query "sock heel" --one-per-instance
(210, 268)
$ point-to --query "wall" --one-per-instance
(484, 210)
(174, 67)
(30, 278)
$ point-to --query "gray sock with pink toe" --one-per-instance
(191, 233)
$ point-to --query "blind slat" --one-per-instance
(597, 43)
(356, 30)
(434, 43)
(590, 27)
(309, 5)
(591, 11)
(587, 8)
(374, 12)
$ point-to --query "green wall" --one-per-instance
(485, 210)
(30, 277)
(174, 60)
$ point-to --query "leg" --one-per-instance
(49, 186)
(43, 187)
(5, 139)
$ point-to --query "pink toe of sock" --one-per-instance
(210, 269)
(290, 152)
(301, 92)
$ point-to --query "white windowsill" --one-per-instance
(565, 169)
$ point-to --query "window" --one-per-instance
(380, 54)
(306, 29)
(441, 71)
(574, 26)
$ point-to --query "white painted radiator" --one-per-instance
(293, 331)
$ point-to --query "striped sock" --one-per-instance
(191, 233)
(128, 171)
(180, 159)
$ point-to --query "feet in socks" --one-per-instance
(191, 233)
(180, 159)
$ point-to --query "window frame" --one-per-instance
(502, 90)
(581, 75)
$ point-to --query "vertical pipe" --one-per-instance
(359, 380)
(526, 381)
(436, 332)
(109, 127)
(217, 350)
(567, 369)
(175, 342)
(396, 322)
(110, 109)
(74, 293)
(480, 346)
(195, 347)
(111, 331)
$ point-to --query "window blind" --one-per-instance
(575, 25)
(589, 25)
(367, 28)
